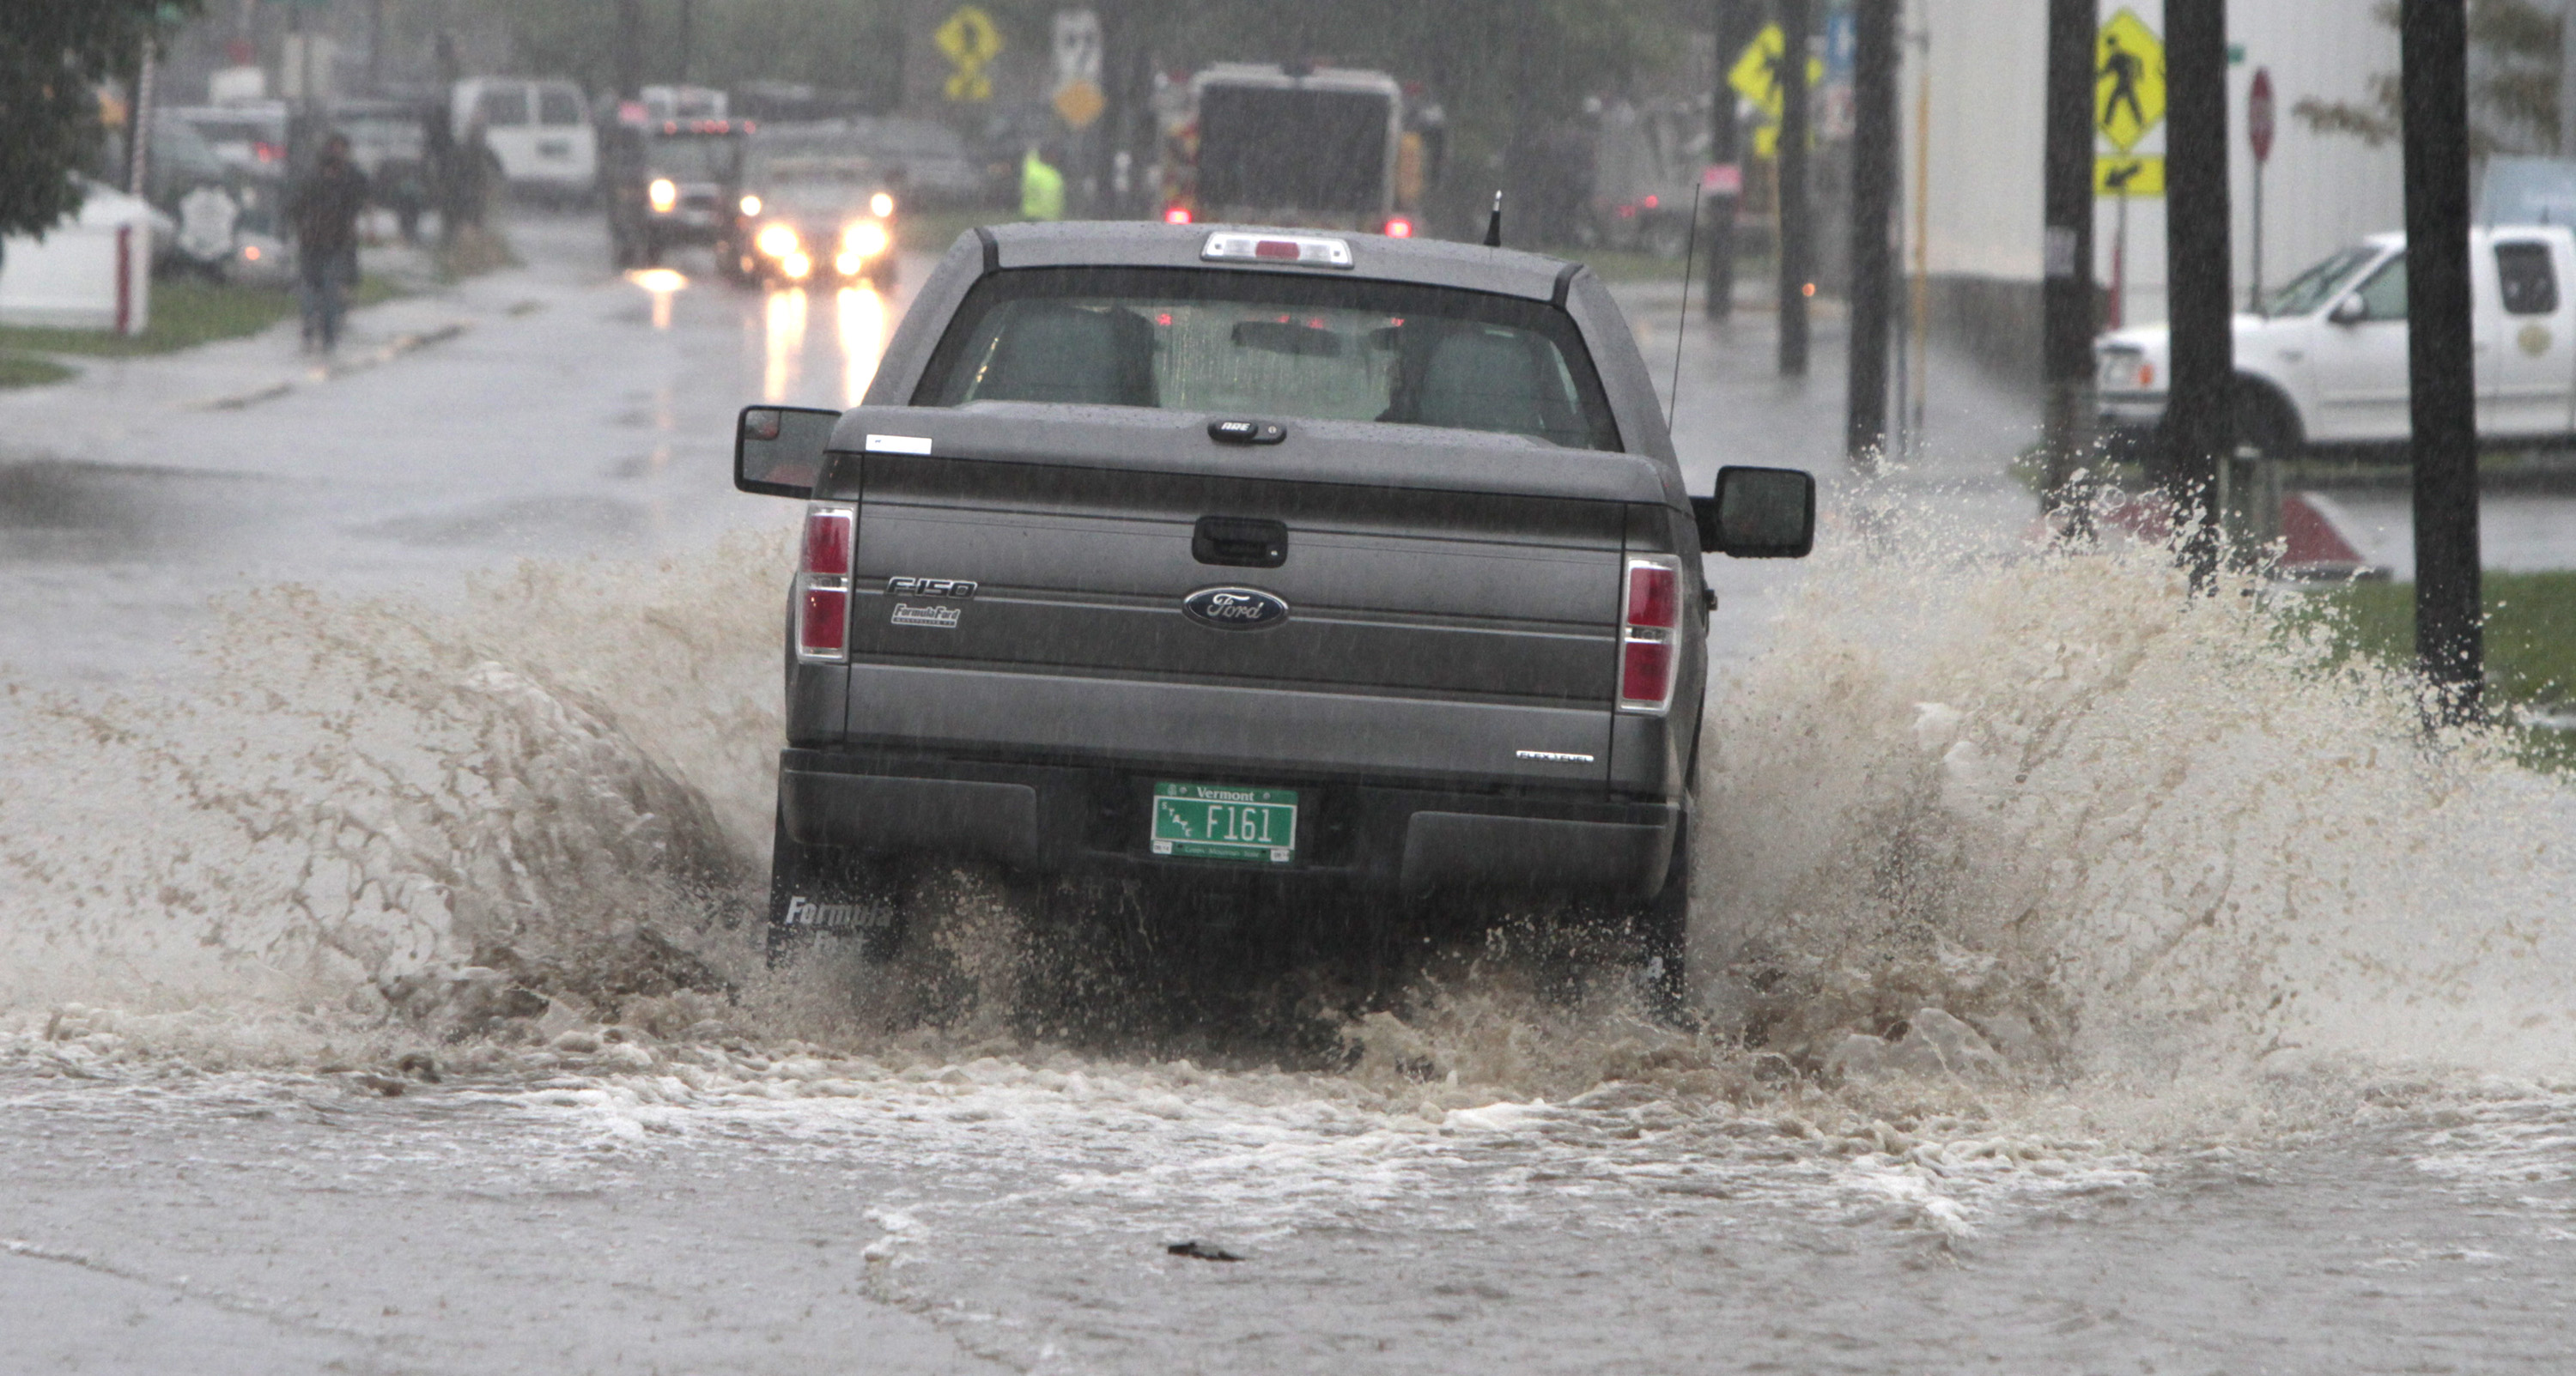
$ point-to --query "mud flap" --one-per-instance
(1662, 924)
(822, 894)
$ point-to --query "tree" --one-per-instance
(2513, 85)
(53, 55)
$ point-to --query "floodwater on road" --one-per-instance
(2094, 978)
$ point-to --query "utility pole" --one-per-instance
(2199, 415)
(1873, 215)
(2450, 648)
(1797, 224)
(1728, 20)
(2567, 81)
(2066, 241)
(630, 49)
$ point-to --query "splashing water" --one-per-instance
(2045, 817)
(2125, 828)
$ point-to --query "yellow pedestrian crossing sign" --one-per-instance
(1756, 74)
(2128, 175)
(2128, 80)
(971, 41)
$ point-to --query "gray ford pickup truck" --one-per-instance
(1345, 561)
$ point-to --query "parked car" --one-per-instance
(224, 192)
(2323, 362)
(388, 140)
(928, 161)
(539, 132)
(1644, 163)
(1316, 565)
(251, 136)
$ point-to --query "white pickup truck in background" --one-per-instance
(2323, 363)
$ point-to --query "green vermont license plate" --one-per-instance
(1225, 822)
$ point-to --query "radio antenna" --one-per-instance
(1494, 226)
(1690, 247)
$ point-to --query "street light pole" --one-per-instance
(1873, 214)
(2066, 288)
(1725, 149)
(2199, 412)
(2433, 92)
(1797, 230)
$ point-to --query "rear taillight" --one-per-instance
(1177, 215)
(1650, 616)
(1399, 228)
(823, 584)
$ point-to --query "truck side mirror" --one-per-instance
(778, 450)
(1758, 513)
(2348, 311)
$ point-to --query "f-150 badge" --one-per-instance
(1234, 609)
(931, 587)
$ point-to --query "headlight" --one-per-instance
(881, 205)
(795, 265)
(663, 194)
(751, 205)
(776, 240)
(865, 238)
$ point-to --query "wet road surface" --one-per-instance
(2260, 1060)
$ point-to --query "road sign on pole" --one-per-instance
(2259, 115)
(971, 42)
(2128, 80)
(2128, 175)
(1756, 77)
(1078, 98)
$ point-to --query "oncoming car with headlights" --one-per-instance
(812, 209)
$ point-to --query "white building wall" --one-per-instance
(1987, 63)
(1984, 60)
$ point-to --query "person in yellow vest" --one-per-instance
(1041, 188)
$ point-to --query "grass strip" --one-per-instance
(29, 370)
(185, 314)
(2530, 644)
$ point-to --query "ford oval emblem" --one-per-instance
(1234, 609)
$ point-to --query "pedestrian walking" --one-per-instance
(323, 212)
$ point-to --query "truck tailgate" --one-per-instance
(1429, 632)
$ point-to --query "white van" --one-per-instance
(539, 132)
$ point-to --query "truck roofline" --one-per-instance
(1426, 262)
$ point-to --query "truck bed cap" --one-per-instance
(1318, 451)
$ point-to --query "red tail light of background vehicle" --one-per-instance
(823, 583)
(1650, 617)
(1399, 228)
(1177, 215)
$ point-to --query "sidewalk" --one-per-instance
(1736, 408)
(140, 409)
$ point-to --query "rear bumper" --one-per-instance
(2133, 410)
(1387, 838)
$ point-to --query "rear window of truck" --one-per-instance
(1274, 347)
